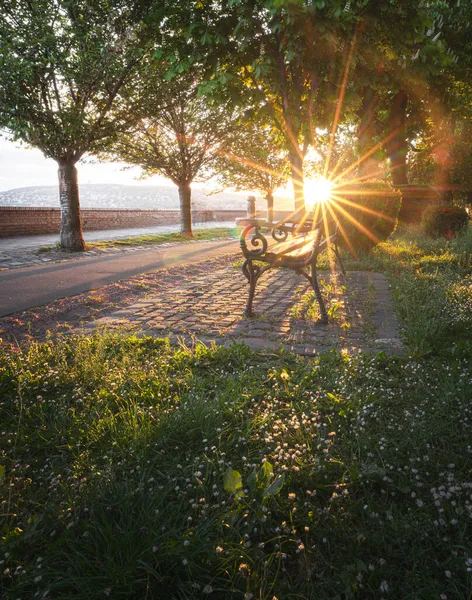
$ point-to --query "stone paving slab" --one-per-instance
(210, 308)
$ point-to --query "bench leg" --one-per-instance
(338, 256)
(319, 298)
(252, 275)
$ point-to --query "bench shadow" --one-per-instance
(286, 313)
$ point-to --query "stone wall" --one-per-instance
(18, 221)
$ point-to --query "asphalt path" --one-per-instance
(21, 289)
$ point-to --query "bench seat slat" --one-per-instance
(299, 246)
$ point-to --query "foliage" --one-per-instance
(177, 133)
(446, 221)
(252, 158)
(367, 213)
(415, 60)
(62, 68)
(285, 65)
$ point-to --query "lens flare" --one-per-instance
(317, 191)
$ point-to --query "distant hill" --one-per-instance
(123, 196)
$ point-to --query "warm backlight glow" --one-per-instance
(317, 191)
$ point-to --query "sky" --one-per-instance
(22, 167)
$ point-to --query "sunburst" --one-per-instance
(317, 190)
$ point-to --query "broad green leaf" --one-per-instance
(252, 481)
(232, 481)
(2, 472)
(274, 488)
(267, 471)
(373, 472)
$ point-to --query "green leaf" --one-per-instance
(373, 472)
(266, 472)
(232, 481)
(274, 488)
(252, 481)
(2, 472)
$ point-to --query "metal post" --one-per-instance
(270, 208)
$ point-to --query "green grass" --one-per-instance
(210, 233)
(163, 238)
(132, 469)
(432, 287)
(429, 279)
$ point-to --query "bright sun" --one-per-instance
(317, 190)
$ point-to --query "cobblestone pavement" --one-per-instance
(209, 308)
(35, 250)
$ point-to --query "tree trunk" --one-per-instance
(291, 133)
(366, 133)
(397, 146)
(444, 163)
(270, 206)
(185, 197)
(444, 183)
(71, 225)
(296, 167)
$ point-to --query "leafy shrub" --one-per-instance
(446, 221)
(367, 213)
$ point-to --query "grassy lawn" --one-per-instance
(135, 470)
(210, 233)
(164, 238)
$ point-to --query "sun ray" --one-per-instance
(341, 229)
(331, 258)
(346, 191)
(362, 178)
(339, 103)
(247, 162)
(317, 190)
(363, 208)
(334, 170)
(366, 155)
(361, 227)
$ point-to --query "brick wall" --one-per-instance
(19, 221)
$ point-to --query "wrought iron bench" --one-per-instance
(300, 253)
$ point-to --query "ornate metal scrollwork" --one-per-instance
(250, 270)
(258, 242)
(279, 235)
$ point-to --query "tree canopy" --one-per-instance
(177, 133)
(62, 67)
(86, 77)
